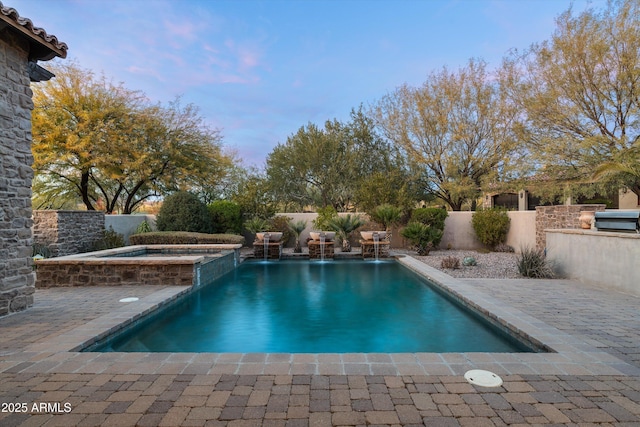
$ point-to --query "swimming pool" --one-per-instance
(315, 307)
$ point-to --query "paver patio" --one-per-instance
(352, 389)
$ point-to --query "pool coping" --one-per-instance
(572, 355)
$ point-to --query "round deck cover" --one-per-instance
(483, 378)
(130, 299)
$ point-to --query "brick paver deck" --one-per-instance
(58, 387)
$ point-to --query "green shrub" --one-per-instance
(226, 217)
(421, 236)
(256, 225)
(183, 211)
(325, 215)
(109, 240)
(450, 262)
(433, 217)
(491, 226)
(183, 238)
(143, 227)
(534, 263)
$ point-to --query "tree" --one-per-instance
(456, 126)
(580, 92)
(113, 148)
(78, 121)
(326, 166)
(253, 195)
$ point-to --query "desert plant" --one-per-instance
(534, 263)
(183, 211)
(281, 223)
(388, 216)
(450, 262)
(255, 225)
(433, 217)
(143, 227)
(344, 226)
(110, 239)
(297, 227)
(324, 216)
(421, 236)
(226, 217)
(40, 251)
(503, 247)
(469, 261)
(491, 226)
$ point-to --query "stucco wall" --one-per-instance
(17, 278)
(605, 259)
(127, 224)
(459, 234)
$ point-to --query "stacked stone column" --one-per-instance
(17, 278)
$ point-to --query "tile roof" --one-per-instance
(44, 46)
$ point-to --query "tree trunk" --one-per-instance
(346, 245)
(84, 191)
(297, 249)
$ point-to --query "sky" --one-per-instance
(261, 69)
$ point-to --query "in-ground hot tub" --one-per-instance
(175, 265)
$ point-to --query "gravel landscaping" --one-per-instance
(492, 265)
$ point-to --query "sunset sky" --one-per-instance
(259, 70)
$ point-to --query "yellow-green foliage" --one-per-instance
(183, 238)
(491, 226)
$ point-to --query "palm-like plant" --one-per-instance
(388, 216)
(255, 225)
(297, 227)
(421, 236)
(344, 226)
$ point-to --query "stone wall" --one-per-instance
(17, 278)
(67, 232)
(369, 249)
(316, 250)
(274, 250)
(124, 272)
(559, 217)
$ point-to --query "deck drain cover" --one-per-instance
(130, 299)
(483, 378)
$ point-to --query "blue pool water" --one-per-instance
(315, 307)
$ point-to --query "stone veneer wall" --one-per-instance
(559, 217)
(17, 278)
(67, 232)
